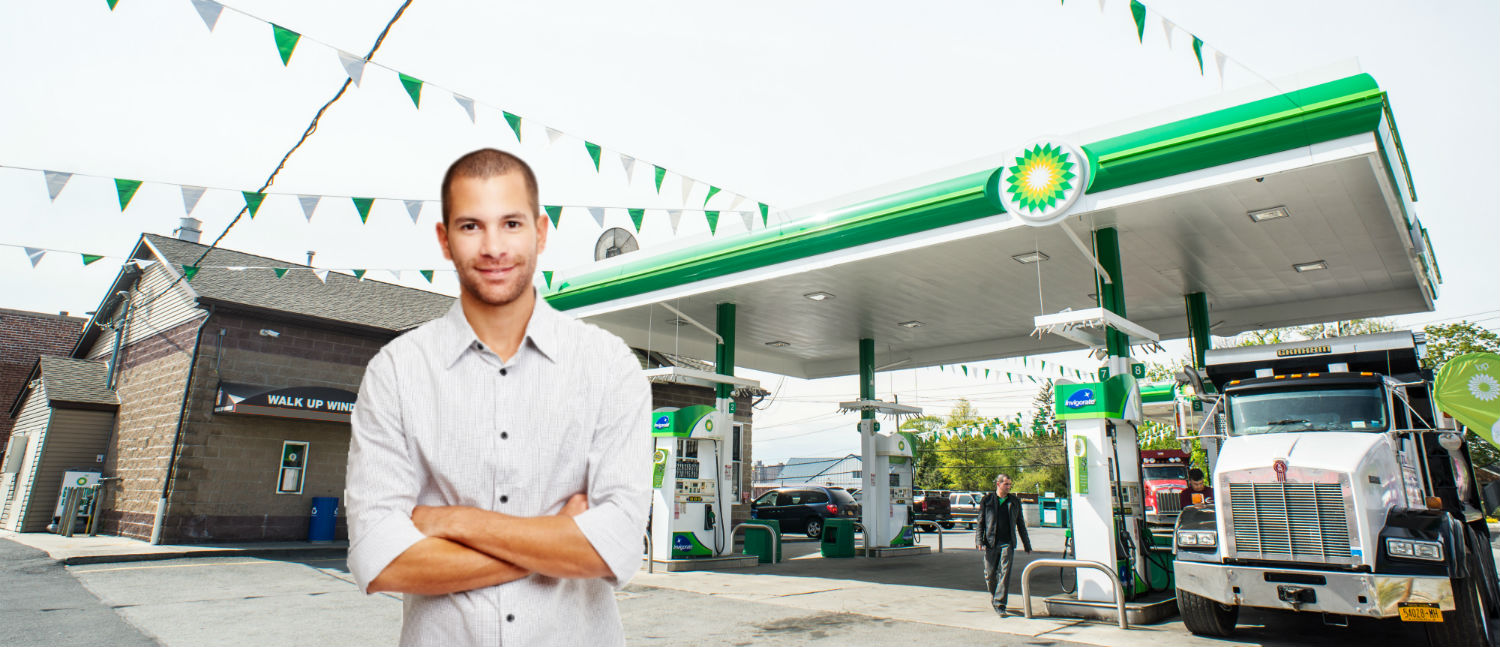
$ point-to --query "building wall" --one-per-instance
(72, 440)
(682, 395)
(30, 424)
(25, 336)
(158, 304)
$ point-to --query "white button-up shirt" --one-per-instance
(442, 420)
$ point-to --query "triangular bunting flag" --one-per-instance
(1166, 30)
(547, 276)
(749, 219)
(359, 275)
(280, 271)
(189, 271)
(286, 41)
(1219, 63)
(675, 217)
(252, 201)
(209, 11)
(56, 180)
(1138, 12)
(598, 214)
(413, 87)
(1101, 6)
(711, 191)
(88, 259)
(309, 204)
(467, 104)
(965, 367)
(362, 205)
(515, 123)
(414, 208)
(321, 274)
(554, 213)
(737, 202)
(553, 135)
(713, 221)
(636, 216)
(593, 153)
(765, 214)
(426, 274)
(190, 197)
(112, 4)
(986, 374)
(354, 66)
(660, 173)
(395, 274)
(627, 163)
(126, 189)
(687, 188)
(35, 255)
(1198, 52)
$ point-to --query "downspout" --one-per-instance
(114, 354)
(166, 483)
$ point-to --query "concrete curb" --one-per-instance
(104, 549)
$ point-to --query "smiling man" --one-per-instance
(500, 455)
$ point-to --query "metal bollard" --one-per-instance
(1075, 563)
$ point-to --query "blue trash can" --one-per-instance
(325, 511)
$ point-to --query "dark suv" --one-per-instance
(804, 507)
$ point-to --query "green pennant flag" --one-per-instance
(252, 201)
(362, 205)
(1138, 11)
(90, 258)
(547, 275)
(359, 275)
(126, 189)
(713, 221)
(765, 214)
(554, 213)
(189, 271)
(426, 274)
(280, 271)
(286, 41)
(112, 4)
(1198, 52)
(965, 367)
(637, 216)
(593, 153)
(660, 173)
(515, 123)
(414, 88)
(711, 191)
(986, 374)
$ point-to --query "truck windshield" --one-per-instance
(1337, 408)
(1166, 473)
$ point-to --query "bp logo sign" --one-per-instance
(1039, 182)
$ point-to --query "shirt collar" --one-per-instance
(541, 330)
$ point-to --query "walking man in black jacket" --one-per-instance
(1000, 521)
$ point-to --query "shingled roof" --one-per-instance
(342, 298)
(76, 381)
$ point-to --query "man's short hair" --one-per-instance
(1001, 477)
(1195, 474)
(487, 163)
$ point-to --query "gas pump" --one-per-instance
(891, 525)
(1104, 465)
(689, 517)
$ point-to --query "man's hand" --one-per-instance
(575, 506)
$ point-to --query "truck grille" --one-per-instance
(1289, 521)
(1168, 501)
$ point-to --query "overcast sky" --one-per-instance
(787, 103)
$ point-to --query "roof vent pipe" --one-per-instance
(188, 229)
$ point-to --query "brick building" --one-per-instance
(25, 336)
(220, 406)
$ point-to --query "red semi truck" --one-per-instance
(1164, 477)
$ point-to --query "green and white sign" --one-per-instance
(1468, 388)
(1080, 465)
(1040, 182)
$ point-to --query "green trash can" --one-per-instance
(838, 538)
(758, 543)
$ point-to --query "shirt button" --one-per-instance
(502, 372)
(504, 435)
(504, 499)
(510, 617)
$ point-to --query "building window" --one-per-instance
(293, 467)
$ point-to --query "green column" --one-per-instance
(724, 355)
(1197, 314)
(867, 375)
(1112, 294)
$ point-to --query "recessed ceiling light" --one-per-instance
(818, 296)
(1311, 267)
(1030, 257)
(778, 344)
(911, 324)
(1269, 214)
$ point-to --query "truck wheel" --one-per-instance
(1205, 617)
(1467, 623)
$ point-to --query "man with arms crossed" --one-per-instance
(500, 457)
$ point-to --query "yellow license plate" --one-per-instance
(1420, 613)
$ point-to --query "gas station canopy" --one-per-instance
(1283, 207)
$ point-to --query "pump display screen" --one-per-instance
(1335, 408)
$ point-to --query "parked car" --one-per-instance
(965, 507)
(932, 505)
(803, 508)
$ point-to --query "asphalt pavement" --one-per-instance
(42, 604)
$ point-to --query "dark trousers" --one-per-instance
(997, 572)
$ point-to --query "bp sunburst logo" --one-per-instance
(1041, 181)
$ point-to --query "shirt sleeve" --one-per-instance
(619, 469)
(381, 484)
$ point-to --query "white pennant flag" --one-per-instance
(1219, 63)
(628, 163)
(354, 66)
(56, 180)
(35, 255)
(321, 274)
(674, 215)
(749, 218)
(309, 204)
(598, 214)
(1166, 30)
(190, 197)
(395, 274)
(467, 103)
(739, 201)
(1101, 6)
(209, 11)
(553, 135)
(414, 207)
(687, 187)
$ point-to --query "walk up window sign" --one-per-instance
(293, 466)
(299, 402)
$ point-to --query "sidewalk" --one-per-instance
(102, 549)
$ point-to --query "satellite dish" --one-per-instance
(614, 242)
